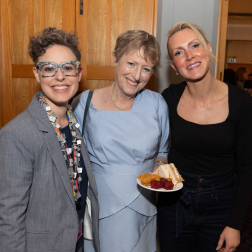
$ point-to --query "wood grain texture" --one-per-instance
(1, 77)
(96, 44)
(241, 6)
(108, 35)
(100, 72)
(120, 16)
(98, 29)
(31, 33)
(221, 39)
(148, 15)
(115, 27)
(41, 14)
(81, 31)
(53, 13)
(22, 71)
(68, 15)
(94, 84)
(6, 81)
(19, 31)
(133, 15)
(21, 98)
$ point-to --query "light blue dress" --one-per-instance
(122, 145)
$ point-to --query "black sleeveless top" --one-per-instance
(214, 148)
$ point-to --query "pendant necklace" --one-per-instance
(71, 155)
(114, 101)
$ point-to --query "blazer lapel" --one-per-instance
(52, 143)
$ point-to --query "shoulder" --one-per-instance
(20, 130)
(239, 96)
(152, 96)
(80, 100)
(174, 92)
(152, 101)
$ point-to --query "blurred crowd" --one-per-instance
(240, 78)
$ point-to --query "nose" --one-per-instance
(59, 75)
(137, 74)
(189, 55)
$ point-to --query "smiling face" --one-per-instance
(189, 57)
(132, 72)
(58, 90)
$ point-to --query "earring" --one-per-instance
(177, 73)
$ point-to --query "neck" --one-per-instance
(202, 89)
(121, 101)
(60, 112)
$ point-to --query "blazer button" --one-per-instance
(200, 188)
(201, 180)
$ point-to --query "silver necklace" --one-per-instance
(114, 101)
(71, 155)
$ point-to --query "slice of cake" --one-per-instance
(169, 171)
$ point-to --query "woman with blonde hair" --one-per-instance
(211, 123)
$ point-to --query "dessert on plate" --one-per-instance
(166, 176)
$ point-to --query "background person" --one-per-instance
(44, 164)
(242, 75)
(209, 120)
(126, 132)
(230, 77)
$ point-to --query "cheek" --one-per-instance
(146, 77)
(179, 62)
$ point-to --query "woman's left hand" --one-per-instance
(232, 239)
(159, 161)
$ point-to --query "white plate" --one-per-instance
(175, 188)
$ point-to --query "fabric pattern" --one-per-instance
(37, 207)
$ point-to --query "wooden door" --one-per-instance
(98, 28)
(21, 19)
(96, 22)
(221, 40)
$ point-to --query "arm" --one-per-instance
(243, 149)
(16, 169)
(163, 117)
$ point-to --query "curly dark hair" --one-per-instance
(53, 36)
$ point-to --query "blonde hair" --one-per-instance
(199, 32)
(134, 40)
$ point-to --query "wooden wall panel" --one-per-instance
(1, 84)
(106, 20)
(19, 31)
(221, 39)
(96, 44)
(19, 41)
(6, 83)
(240, 6)
(132, 15)
(81, 31)
(20, 95)
(98, 28)
(96, 32)
(53, 13)
(68, 12)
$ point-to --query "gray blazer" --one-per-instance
(37, 208)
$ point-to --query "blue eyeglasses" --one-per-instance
(68, 68)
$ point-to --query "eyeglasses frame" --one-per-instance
(77, 63)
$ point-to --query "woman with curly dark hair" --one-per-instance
(44, 165)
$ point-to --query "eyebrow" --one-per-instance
(191, 42)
